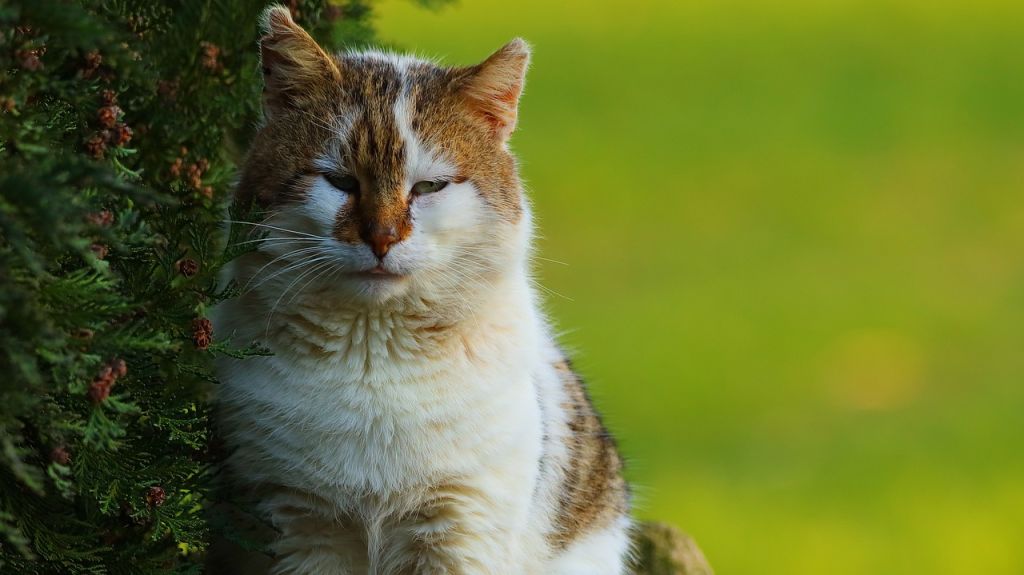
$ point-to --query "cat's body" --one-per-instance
(416, 415)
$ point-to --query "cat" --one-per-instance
(416, 415)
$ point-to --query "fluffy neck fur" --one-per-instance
(370, 337)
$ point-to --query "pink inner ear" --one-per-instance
(493, 122)
(498, 111)
(493, 89)
(496, 106)
(510, 97)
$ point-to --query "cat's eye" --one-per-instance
(428, 187)
(344, 182)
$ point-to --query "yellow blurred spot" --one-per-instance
(875, 370)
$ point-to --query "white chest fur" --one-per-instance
(375, 402)
(412, 428)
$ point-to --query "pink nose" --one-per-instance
(380, 239)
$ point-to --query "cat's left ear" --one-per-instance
(296, 70)
(492, 88)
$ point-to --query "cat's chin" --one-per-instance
(374, 286)
(377, 274)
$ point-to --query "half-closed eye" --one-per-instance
(344, 182)
(428, 187)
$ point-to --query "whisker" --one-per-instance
(292, 266)
(550, 291)
(561, 263)
(271, 262)
(275, 228)
(319, 121)
(276, 239)
(313, 266)
(326, 269)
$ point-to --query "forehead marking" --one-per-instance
(423, 161)
(375, 149)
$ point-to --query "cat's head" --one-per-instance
(382, 176)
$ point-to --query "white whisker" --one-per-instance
(275, 228)
(302, 251)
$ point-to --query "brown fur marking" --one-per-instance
(594, 492)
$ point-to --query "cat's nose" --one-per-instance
(380, 239)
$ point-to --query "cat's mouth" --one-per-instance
(378, 272)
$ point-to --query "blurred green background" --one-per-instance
(794, 237)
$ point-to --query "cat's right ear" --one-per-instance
(296, 70)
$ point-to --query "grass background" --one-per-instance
(794, 233)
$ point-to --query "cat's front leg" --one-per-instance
(475, 555)
(313, 547)
(312, 540)
(464, 530)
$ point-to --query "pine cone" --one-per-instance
(99, 250)
(195, 176)
(96, 146)
(99, 389)
(211, 56)
(29, 60)
(108, 116)
(155, 496)
(60, 455)
(188, 267)
(102, 218)
(92, 63)
(202, 333)
(122, 134)
(119, 367)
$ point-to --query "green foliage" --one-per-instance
(121, 123)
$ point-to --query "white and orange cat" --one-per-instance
(417, 415)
